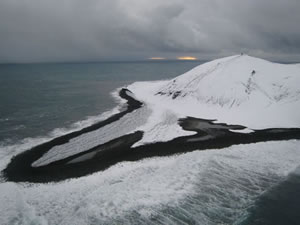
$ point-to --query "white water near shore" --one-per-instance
(8, 151)
(217, 182)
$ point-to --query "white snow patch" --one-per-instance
(243, 131)
(161, 126)
(86, 141)
(130, 94)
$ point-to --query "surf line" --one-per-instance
(21, 164)
(209, 135)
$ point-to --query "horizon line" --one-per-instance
(101, 61)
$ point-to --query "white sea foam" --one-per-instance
(14, 209)
(4, 119)
(195, 186)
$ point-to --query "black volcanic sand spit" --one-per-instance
(209, 135)
(23, 161)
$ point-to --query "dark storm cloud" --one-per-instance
(89, 30)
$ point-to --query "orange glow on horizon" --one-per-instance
(186, 58)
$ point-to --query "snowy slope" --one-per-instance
(237, 80)
(236, 90)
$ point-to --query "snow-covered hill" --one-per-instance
(237, 80)
(236, 90)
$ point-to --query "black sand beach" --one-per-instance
(209, 136)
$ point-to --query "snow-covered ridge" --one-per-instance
(237, 90)
(235, 80)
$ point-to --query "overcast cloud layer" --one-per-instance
(93, 30)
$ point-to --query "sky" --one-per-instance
(105, 30)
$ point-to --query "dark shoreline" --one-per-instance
(209, 136)
(21, 163)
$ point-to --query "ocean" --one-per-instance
(36, 99)
(248, 185)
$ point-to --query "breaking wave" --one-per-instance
(201, 187)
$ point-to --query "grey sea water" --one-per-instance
(35, 99)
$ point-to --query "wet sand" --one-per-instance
(209, 136)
